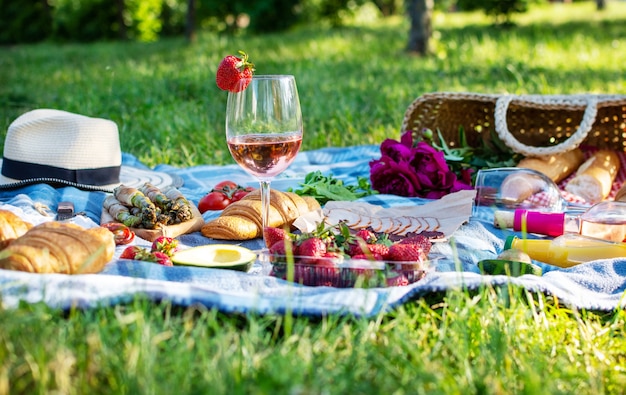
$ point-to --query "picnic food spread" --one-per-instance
(337, 241)
(55, 247)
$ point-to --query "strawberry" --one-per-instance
(133, 252)
(313, 247)
(419, 240)
(367, 235)
(274, 235)
(280, 248)
(166, 245)
(377, 250)
(234, 74)
(405, 252)
(161, 258)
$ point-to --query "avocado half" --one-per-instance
(509, 268)
(217, 256)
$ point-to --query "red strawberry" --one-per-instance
(419, 240)
(367, 235)
(133, 252)
(280, 248)
(161, 258)
(377, 250)
(405, 252)
(274, 235)
(313, 246)
(166, 245)
(234, 74)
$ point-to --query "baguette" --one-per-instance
(557, 167)
(241, 220)
(594, 178)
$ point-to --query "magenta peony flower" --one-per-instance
(414, 171)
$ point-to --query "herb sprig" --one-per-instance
(327, 188)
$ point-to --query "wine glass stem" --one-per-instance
(265, 205)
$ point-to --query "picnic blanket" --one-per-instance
(597, 285)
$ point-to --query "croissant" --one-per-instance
(241, 220)
(11, 227)
(55, 247)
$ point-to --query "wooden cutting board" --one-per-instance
(190, 226)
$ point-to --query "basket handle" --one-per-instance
(502, 106)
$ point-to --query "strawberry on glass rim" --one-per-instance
(234, 74)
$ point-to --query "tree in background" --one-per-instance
(420, 16)
(24, 21)
(500, 10)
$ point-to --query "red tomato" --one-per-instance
(227, 185)
(213, 201)
(239, 194)
(121, 233)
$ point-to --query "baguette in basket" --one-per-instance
(594, 178)
(557, 167)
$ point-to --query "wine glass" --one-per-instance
(512, 188)
(264, 129)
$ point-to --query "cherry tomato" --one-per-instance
(213, 201)
(121, 233)
(239, 194)
(226, 185)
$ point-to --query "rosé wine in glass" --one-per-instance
(264, 129)
(265, 156)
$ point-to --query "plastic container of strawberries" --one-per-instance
(347, 273)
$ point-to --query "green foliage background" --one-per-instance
(150, 20)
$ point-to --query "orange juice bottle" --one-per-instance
(567, 250)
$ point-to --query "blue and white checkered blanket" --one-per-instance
(597, 285)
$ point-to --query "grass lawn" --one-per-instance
(355, 84)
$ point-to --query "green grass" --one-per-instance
(355, 84)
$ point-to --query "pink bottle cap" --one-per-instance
(550, 224)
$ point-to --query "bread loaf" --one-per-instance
(519, 186)
(594, 178)
(11, 227)
(55, 247)
(558, 166)
(241, 220)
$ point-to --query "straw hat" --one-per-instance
(61, 148)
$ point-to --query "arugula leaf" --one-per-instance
(327, 188)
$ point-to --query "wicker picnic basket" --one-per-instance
(530, 124)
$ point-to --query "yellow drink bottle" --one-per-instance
(567, 250)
